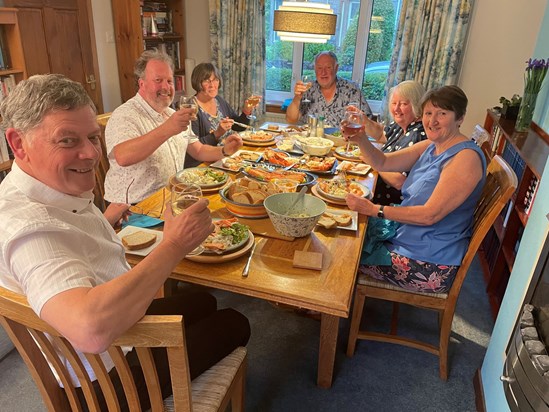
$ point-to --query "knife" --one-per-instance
(247, 267)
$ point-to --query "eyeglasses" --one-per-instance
(211, 81)
(138, 210)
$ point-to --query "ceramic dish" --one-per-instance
(205, 177)
(360, 169)
(257, 136)
(237, 161)
(128, 230)
(235, 254)
(267, 172)
(245, 210)
(352, 154)
(337, 189)
(354, 218)
(217, 238)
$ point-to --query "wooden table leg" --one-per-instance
(329, 327)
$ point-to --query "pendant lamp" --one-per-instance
(303, 21)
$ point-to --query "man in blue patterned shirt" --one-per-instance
(328, 96)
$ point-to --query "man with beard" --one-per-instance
(328, 96)
(147, 140)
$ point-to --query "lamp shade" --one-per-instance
(305, 22)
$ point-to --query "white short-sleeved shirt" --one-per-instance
(51, 242)
(133, 119)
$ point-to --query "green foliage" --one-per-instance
(312, 49)
(279, 79)
(374, 86)
(280, 50)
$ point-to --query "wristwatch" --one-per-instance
(380, 213)
(223, 151)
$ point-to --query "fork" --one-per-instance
(246, 126)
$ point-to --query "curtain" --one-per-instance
(237, 34)
(429, 42)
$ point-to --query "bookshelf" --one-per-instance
(134, 32)
(527, 154)
(12, 68)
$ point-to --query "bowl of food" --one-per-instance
(316, 146)
(244, 198)
(334, 134)
(302, 218)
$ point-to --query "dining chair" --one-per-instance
(213, 390)
(501, 183)
(103, 166)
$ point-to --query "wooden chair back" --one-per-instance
(28, 333)
(501, 183)
(103, 166)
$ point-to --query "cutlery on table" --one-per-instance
(246, 269)
(246, 126)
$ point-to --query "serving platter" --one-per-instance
(267, 172)
(205, 177)
(209, 258)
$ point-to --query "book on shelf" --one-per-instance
(7, 84)
(5, 62)
(530, 195)
(171, 48)
(179, 81)
(507, 212)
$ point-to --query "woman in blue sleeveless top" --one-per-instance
(430, 231)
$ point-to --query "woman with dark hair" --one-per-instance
(215, 120)
(425, 238)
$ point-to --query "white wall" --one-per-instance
(197, 24)
(106, 54)
(502, 36)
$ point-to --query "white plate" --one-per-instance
(195, 173)
(230, 248)
(128, 230)
(354, 167)
(364, 189)
(354, 218)
(254, 156)
(266, 137)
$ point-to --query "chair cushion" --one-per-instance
(370, 281)
(209, 389)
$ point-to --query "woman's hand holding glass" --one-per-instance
(183, 196)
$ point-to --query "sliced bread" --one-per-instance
(138, 240)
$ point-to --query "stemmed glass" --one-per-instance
(308, 83)
(252, 101)
(352, 122)
(183, 196)
(189, 102)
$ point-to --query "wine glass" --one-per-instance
(183, 196)
(352, 123)
(308, 83)
(252, 101)
(189, 102)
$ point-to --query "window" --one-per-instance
(363, 43)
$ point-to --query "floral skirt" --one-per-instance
(413, 275)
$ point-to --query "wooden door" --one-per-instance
(58, 37)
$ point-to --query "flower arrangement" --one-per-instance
(533, 80)
(534, 75)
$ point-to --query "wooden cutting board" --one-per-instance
(263, 227)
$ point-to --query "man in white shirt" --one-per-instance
(63, 254)
(147, 140)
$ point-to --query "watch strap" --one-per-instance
(380, 213)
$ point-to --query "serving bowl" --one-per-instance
(303, 218)
(316, 146)
(241, 209)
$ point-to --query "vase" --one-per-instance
(526, 112)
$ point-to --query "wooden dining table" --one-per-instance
(273, 276)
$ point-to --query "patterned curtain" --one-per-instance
(429, 42)
(237, 34)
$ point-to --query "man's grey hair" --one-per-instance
(32, 99)
(327, 53)
(146, 57)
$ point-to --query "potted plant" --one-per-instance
(510, 108)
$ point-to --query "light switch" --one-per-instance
(109, 35)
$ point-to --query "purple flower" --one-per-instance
(535, 74)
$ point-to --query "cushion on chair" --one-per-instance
(370, 281)
(210, 387)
